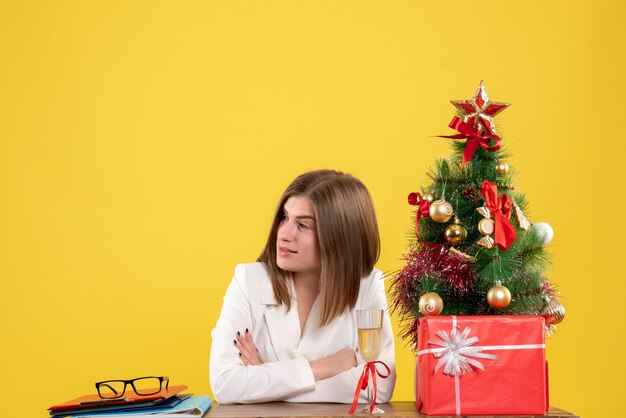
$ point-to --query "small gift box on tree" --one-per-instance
(473, 296)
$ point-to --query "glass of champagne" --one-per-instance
(369, 323)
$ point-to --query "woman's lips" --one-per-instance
(284, 252)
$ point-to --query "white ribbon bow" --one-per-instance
(455, 356)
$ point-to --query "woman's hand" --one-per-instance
(334, 364)
(247, 350)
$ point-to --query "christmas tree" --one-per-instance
(473, 251)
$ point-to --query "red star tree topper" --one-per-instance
(479, 111)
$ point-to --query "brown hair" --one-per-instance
(348, 236)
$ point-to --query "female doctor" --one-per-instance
(287, 330)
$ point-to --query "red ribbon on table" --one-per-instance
(370, 368)
(423, 209)
(474, 138)
(500, 208)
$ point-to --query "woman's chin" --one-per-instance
(283, 265)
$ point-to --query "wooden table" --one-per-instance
(323, 410)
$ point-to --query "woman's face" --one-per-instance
(297, 247)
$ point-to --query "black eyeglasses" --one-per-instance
(142, 386)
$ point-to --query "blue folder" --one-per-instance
(191, 406)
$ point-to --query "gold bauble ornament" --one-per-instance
(486, 226)
(554, 313)
(440, 211)
(499, 296)
(429, 197)
(430, 304)
(502, 167)
(456, 233)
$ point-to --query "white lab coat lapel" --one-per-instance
(280, 325)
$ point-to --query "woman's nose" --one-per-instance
(285, 232)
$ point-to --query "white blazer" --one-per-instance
(286, 374)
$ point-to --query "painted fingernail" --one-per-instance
(246, 330)
(238, 333)
(239, 354)
(235, 341)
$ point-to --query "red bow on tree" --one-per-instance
(500, 208)
(474, 139)
(369, 368)
(423, 209)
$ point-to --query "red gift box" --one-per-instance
(481, 365)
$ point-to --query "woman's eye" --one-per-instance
(303, 226)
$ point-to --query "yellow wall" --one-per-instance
(143, 146)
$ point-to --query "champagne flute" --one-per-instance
(369, 323)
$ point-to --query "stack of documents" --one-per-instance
(165, 404)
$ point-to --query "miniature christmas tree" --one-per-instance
(473, 251)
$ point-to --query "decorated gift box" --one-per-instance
(473, 365)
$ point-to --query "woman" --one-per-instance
(287, 330)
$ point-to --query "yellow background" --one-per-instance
(143, 146)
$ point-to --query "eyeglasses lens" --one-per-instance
(111, 389)
(147, 385)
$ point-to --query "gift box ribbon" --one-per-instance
(457, 354)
